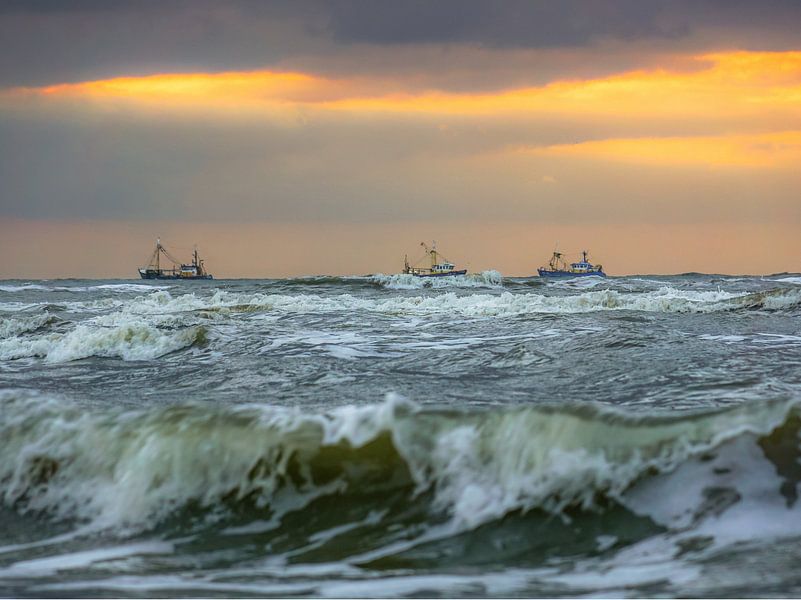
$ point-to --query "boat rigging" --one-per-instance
(440, 266)
(178, 270)
(557, 267)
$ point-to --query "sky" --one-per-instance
(332, 137)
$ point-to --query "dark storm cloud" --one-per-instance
(510, 23)
(45, 41)
(49, 42)
(523, 23)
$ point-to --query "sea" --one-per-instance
(392, 436)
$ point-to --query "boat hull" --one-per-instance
(568, 274)
(449, 274)
(152, 275)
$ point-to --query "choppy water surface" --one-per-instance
(371, 436)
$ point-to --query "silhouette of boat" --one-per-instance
(179, 270)
(440, 266)
(557, 267)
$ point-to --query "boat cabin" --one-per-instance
(444, 267)
(581, 267)
(188, 271)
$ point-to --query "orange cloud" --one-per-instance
(192, 87)
(726, 84)
(737, 83)
(781, 149)
(758, 91)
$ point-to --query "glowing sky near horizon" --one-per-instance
(701, 130)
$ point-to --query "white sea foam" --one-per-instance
(665, 299)
(776, 339)
(579, 283)
(109, 287)
(131, 341)
(58, 563)
(340, 344)
(17, 325)
(402, 281)
(129, 287)
(24, 288)
(727, 339)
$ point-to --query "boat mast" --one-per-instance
(432, 252)
(157, 256)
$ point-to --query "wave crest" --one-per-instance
(402, 281)
(665, 299)
(135, 468)
(17, 325)
(130, 341)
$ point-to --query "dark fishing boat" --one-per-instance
(440, 266)
(178, 270)
(557, 267)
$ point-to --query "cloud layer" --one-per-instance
(331, 114)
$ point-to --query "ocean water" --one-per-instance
(390, 436)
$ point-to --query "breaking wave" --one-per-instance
(665, 299)
(129, 341)
(795, 280)
(110, 287)
(17, 325)
(23, 288)
(401, 281)
(133, 469)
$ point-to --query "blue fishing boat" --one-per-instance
(179, 270)
(440, 266)
(557, 267)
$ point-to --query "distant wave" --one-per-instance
(795, 280)
(156, 324)
(112, 287)
(25, 287)
(321, 280)
(665, 299)
(403, 281)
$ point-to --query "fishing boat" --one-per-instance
(440, 266)
(557, 267)
(178, 270)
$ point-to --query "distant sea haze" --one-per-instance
(68, 249)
